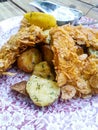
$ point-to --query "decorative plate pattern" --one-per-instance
(17, 112)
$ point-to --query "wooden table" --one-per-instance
(9, 9)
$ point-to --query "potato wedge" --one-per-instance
(20, 87)
(42, 92)
(27, 60)
(43, 70)
(47, 54)
(40, 19)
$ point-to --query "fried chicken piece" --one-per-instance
(72, 69)
(65, 59)
(19, 42)
(83, 35)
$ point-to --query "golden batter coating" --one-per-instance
(73, 69)
(19, 42)
(83, 35)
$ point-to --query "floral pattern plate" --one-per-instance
(17, 112)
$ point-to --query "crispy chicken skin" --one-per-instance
(64, 50)
(72, 69)
(19, 42)
(83, 35)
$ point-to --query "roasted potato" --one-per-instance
(43, 70)
(42, 92)
(20, 87)
(28, 59)
(47, 53)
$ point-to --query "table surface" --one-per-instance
(9, 9)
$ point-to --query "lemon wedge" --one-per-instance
(43, 20)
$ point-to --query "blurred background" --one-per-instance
(10, 8)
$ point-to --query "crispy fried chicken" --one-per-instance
(25, 37)
(73, 70)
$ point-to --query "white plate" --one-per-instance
(17, 112)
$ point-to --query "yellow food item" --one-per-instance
(28, 59)
(42, 92)
(40, 19)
